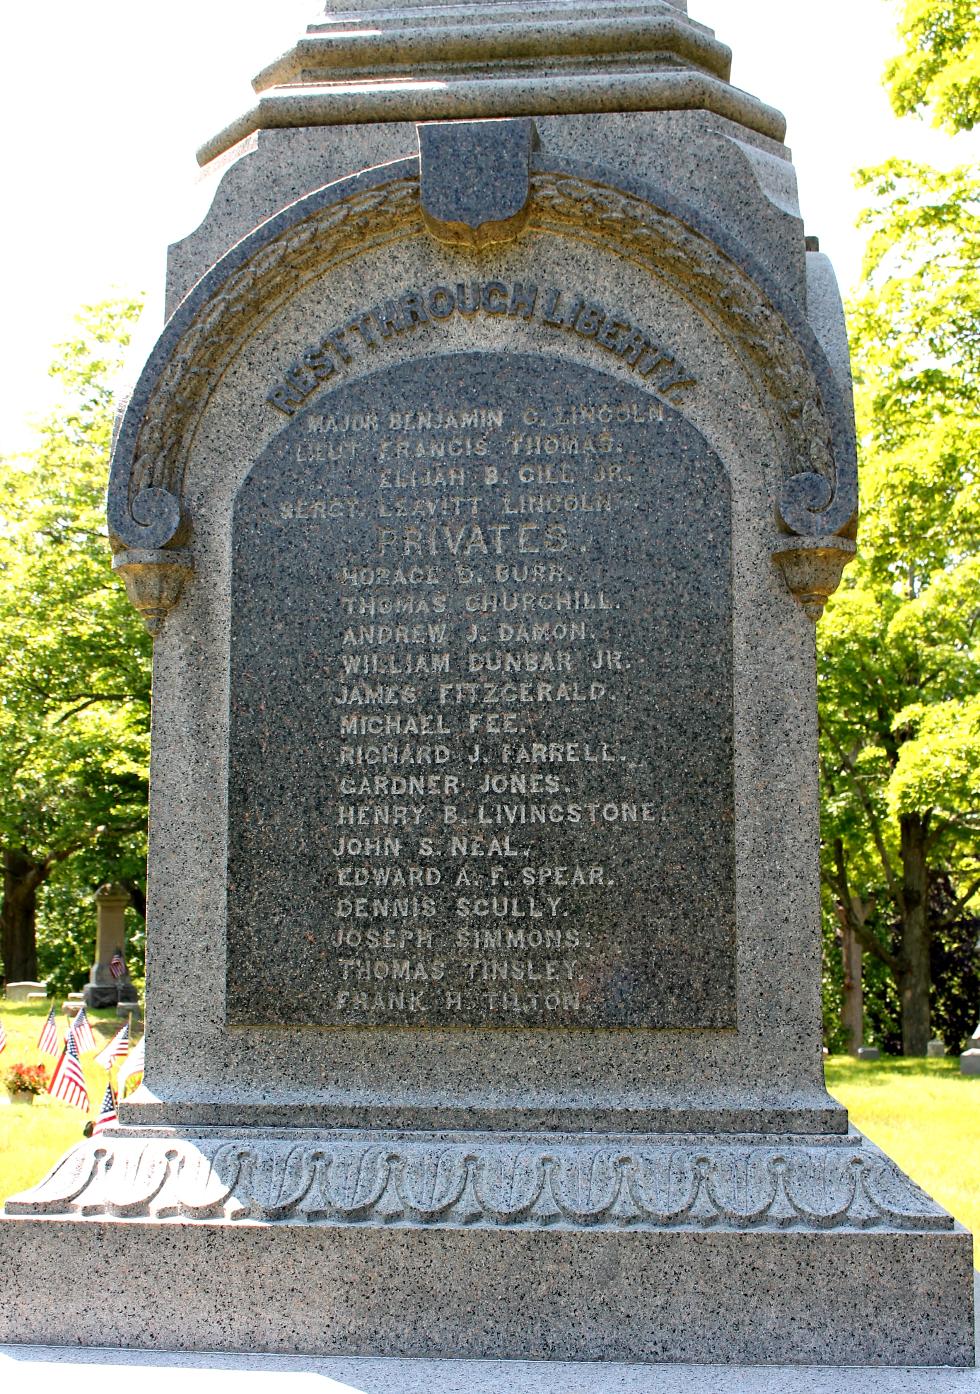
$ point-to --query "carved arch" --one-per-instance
(729, 288)
(147, 525)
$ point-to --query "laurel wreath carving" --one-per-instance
(819, 498)
(811, 504)
(201, 355)
(526, 1185)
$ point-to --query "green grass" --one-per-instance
(34, 1136)
(925, 1115)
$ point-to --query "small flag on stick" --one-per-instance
(117, 967)
(48, 1043)
(68, 1082)
(3, 1037)
(117, 1049)
(82, 1032)
(107, 1112)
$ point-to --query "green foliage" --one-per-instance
(65, 934)
(74, 658)
(939, 67)
(955, 963)
(900, 642)
(832, 980)
(914, 598)
(937, 764)
(66, 929)
(882, 1004)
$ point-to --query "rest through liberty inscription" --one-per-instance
(481, 708)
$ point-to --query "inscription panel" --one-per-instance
(481, 763)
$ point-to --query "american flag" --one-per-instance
(48, 1043)
(82, 1032)
(3, 1037)
(68, 1082)
(117, 1049)
(117, 966)
(107, 1111)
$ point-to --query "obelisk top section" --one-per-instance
(419, 62)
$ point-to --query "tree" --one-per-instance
(900, 644)
(939, 67)
(74, 658)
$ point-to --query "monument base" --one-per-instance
(100, 995)
(684, 1249)
(211, 1372)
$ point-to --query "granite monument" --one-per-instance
(482, 492)
(109, 983)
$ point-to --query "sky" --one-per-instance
(106, 102)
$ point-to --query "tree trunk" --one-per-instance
(21, 878)
(915, 980)
(852, 1010)
(136, 895)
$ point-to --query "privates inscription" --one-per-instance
(481, 763)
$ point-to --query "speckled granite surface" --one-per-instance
(413, 62)
(649, 1296)
(766, 1076)
(397, 387)
(25, 1367)
(597, 600)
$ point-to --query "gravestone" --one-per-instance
(970, 1058)
(109, 983)
(481, 493)
(23, 992)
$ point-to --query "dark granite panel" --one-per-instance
(474, 177)
(481, 764)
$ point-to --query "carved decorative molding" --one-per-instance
(812, 567)
(692, 1183)
(144, 491)
(474, 179)
(154, 579)
(820, 493)
(819, 497)
(492, 58)
(403, 42)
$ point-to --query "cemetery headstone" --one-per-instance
(481, 493)
(109, 982)
(22, 992)
(970, 1058)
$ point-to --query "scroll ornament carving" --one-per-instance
(147, 523)
(819, 497)
(817, 507)
(693, 1184)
